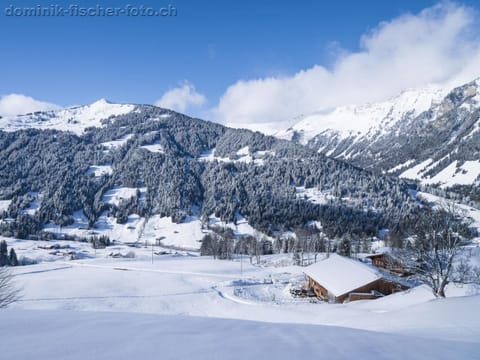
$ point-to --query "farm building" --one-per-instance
(339, 279)
(389, 263)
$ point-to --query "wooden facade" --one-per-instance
(387, 262)
(373, 290)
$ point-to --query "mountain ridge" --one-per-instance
(433, 129)
(74, 119)
(154, 163)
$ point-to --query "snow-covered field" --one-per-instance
(181, 305)
(73, 335)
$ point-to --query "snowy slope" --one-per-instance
(229, 289)
(75, 119)
(430, 135)
(4, 204)
(158, 299)
(467, 211)
(116, 195)
(181, 284)
(99, 170)
(185, 235)
(242, 155)
(117, 143)
(455, 173)
(352, 120)
(72, 336)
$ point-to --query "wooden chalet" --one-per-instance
(388, 262)
(340, 279)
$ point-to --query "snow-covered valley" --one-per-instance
(234, 308)
(156, 185)
(264, 182)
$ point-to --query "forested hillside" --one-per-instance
(180, 166)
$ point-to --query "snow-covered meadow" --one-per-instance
(142, 295)
(107, 304)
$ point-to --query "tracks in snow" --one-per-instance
(161, 271)
(215, 289)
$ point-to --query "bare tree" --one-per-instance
(434, 256)
(8, 292)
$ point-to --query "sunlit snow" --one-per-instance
(75, 119)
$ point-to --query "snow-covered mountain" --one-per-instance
(430, 134)
(126, 171)
(74, 119)
(351, 121)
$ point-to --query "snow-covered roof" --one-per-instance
(340, 275)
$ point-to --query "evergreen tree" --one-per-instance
(4, 261)
(12, 258)
(345, 246)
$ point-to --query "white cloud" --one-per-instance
(438, 45)
(17, 104)
(181, 98)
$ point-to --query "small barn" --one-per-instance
(338, 279)
(388, 262)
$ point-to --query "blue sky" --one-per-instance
(209, 46)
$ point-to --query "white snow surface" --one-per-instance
(467, 211)
(80, 223)
(313, 195)
(99, 170)
(75, 119)
(116, 195)
(241, 228)
(4, 204)
(398, 167)
(87, 335)
(176, 304)
(362, 119)
(340, 275)
(187, 234)
(156, 147)
(34, 204)
(416, 171)
(242, 155)
(115, 144)
(454, 174)
(128, 232)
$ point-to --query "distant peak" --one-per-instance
(102, 101)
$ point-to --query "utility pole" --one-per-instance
(241, 263)
(152, 252)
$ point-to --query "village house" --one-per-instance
(338, 279)
(388, 262)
